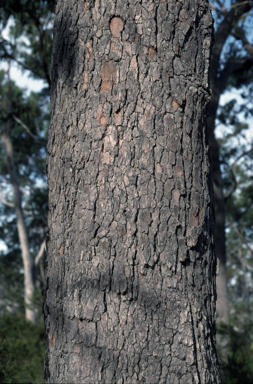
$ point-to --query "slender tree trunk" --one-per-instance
(31, 315)
(130, 288)
(220, 217)
(220, 213)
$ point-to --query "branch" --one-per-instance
(245, 153)
(24, 66)
(25, 127)
(237, 4)
(12, 205)
(240, 35)
(225, 28)
(217, 9)
(28, 130)
(238, 217)
(234, 185)
(40, 253)
(5, 202)
(233, 66)
(221, 6)
(243, 262)
(232, 169)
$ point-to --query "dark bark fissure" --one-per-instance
(130, 295)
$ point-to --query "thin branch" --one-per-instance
(25, 127)
(238, 217)
(243, 262)
(38, 139)
(233, 66)
(12, 205)
(231, 168)
(225, 28)
(5, 202)
(37, 129)
(221, 5)
(234, 184)
(40, 253)
(24, 66)
(236, 5)
(239, 34)
(216, 9)
(245, 153)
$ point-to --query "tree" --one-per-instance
(233, 66)
(130, 287)
(236, 161)
(19, 169)
(24, 121)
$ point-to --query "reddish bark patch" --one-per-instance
(116, 26)
(101, 117)
(61, 250)
(85, 6)
(86, 79)
(52, 340)
(122, 231)
(175, 105)
(103, 121)
(89, 52)
(118, 117)
(108, 75)
(151, 52)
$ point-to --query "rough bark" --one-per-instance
(130, 289)
(30, 313)
(218, 81)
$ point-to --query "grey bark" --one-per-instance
(130, 288)
(218, 81)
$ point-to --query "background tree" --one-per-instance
(130, 292)
(22, 162)
(231, 64)
(24, 122)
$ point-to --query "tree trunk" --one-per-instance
(218, 81)
(130, 291)
(30, 313)
(220, 217)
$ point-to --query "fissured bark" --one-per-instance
(130, 293)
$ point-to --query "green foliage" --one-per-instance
(237, 368)
(21, 350)
(31, 35)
